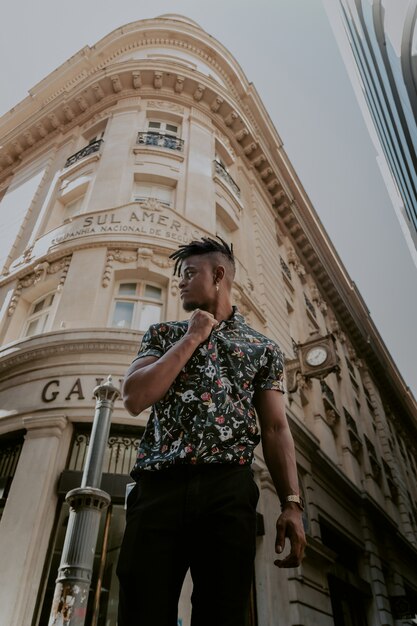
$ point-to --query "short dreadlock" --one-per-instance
(204, 246)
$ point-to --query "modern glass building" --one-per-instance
(381, 59)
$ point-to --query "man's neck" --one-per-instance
(222, 311)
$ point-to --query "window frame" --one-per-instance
(139, 299)
(49, 312)
(136, 197)
(163, 127)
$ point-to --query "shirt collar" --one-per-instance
(236, 319)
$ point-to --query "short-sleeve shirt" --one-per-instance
(207, 415)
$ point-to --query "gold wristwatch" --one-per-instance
(294, 498)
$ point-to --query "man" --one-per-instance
(194, 502)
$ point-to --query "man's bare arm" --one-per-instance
(279, 454)
(149, 378)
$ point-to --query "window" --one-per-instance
(73, 207)
(137, 305)
(72, 194)
(223, 227)
(144, 190)
(40, 316)
(163, 128)
(11, 446)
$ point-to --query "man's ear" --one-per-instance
(219, 273)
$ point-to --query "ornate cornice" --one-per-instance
(65, 343)
(40, 272)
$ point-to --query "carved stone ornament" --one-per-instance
(199, 92)
(241, 134)
(116, 83)
(41, 271)
(216, 104)
(116, 255)
(153, 204)
(250, 148)
(336, 330)
(316, 297)
(29, 138)
(144, 258)
(229, 119)
(164, 105)
(175, 286)
(98, 92)
(136, 80)
(82, 103)
(303, 383)
(295, 262)
(41, 129)
(292, 372)
(157, 80)
(258, 162)
(179, 84)
(332, 418)
(162, 262)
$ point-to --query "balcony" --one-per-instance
(328, 393)
(310, 307)
(286, 270)
(93, 146)
(222, 171)
(160, 141)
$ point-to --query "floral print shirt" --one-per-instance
(207, 415)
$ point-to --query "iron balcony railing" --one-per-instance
(327, 392)
(94, 146)
(222, 171)
(310, 306)
(285, 268)
(160, 140)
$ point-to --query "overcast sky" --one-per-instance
(287, 49)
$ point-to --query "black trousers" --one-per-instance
(198, 517)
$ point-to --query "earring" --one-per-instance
(217, 287)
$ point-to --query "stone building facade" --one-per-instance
(151, 137)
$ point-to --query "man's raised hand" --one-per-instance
(200, 325)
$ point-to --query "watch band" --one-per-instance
(294, 498)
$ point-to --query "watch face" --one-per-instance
(316, 356)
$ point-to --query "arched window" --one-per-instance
(137, 305)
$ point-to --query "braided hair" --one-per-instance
(205, 245)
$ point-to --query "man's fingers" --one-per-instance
(289, 561)
(280, 538)
(294, 531)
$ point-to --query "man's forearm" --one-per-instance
(279, 454)
(144, 386)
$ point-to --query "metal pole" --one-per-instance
(69, 606)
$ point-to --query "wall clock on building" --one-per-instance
(316, 356)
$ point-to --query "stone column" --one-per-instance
(199, 193)
(29, 514)
(113, 182)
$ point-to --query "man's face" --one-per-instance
(197, 285)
